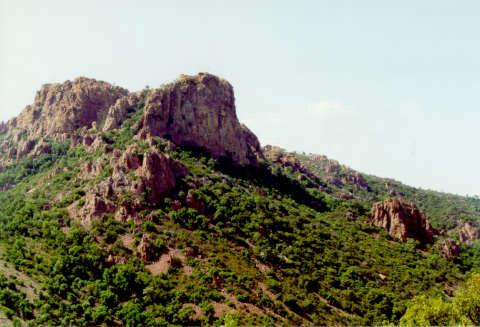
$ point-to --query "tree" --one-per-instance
(462, 309)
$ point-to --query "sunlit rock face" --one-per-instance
(199, 111)
(402, 220)
(60, 109)
(469, 233)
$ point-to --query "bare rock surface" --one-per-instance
(118, 112)
(95, 206)
(402, 220)
(3, 127)
(146, 249)
(159, 174)
(199, 111)
(41, 147)
(449, 248)
(137, 177)
(469, 233)
(63, 108)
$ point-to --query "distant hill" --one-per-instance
(446, 211)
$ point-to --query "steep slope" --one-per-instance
(132, 221)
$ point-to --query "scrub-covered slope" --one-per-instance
(162, 209)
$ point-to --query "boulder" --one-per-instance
(469, 233)
(402, 220)
(449, 249)
(146, 249)
(194, 202)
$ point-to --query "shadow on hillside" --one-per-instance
(263, 176)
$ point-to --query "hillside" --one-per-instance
(159, 207)
(446, 211)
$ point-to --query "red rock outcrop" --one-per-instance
(402, 220)
(63, 108)
(95, 206)
(155, 172)
(469, 233)
(137, 177)
(91, 169)
(159, 174)
(288, 160)
(194, 202)
(25, 148)
(146, 249)
(120, 110)
(449, 249)
(41, 147)
(199, 111)
(281, 156)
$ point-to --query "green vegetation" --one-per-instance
(462, 309)
(264, 249)
(444, 210)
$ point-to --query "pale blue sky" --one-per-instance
(390, 88)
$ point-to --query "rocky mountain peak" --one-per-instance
(62, 108)
(197, 111)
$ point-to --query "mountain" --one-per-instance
(159, 207)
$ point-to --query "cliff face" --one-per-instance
(402, 220)
(200, 111)
(62, 108)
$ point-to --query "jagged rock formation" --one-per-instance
(60, 109)
(199, 111)
(192, 201)
(337, 174)
(95, 206)
(122, 108)
(41, 148)
(146, 249)
(289, 161)
(136, 177)
(469, 233)
(402, 220)
(448, 248)
(281, 156)
(158, 175)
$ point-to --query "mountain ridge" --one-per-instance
(138, 218)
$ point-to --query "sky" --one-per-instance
(390, 88)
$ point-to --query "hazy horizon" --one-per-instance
(387, 90)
